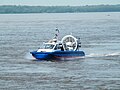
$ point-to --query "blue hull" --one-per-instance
(58, 55)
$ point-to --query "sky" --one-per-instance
(58, 2)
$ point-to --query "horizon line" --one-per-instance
(59, 5)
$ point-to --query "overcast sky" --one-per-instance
(58, 2)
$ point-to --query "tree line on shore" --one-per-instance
(6, 9)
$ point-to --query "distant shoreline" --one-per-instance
(14, 9)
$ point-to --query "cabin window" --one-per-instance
(49, 46)
(57, 47)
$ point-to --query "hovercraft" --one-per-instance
(66, 49)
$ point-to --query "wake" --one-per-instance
(115, 54)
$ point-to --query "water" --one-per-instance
(22, 33)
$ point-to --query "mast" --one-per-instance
(57, 33)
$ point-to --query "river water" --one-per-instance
(22, 33)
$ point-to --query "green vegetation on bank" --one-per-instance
(4, 9)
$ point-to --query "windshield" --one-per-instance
(48, 46)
